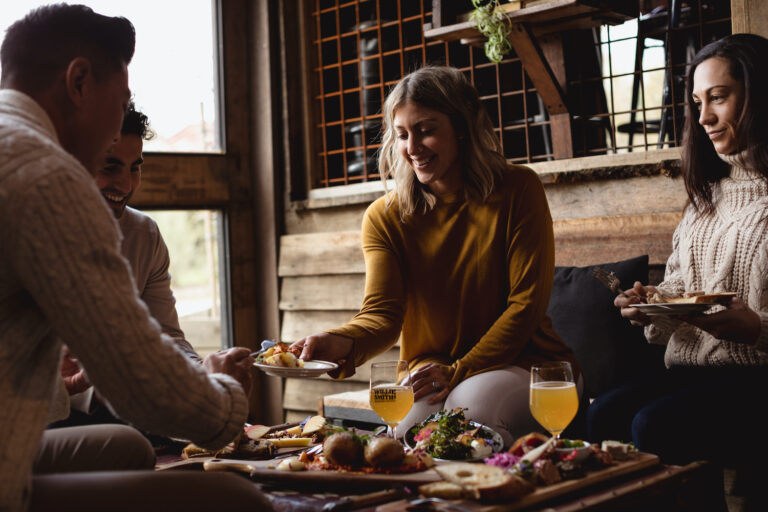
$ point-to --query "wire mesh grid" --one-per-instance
(624, 83)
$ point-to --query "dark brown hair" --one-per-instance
(41, 45)
(136, 123)
(701, 166)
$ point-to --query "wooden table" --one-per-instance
(640, 485)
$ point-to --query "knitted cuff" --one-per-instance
(660, 329)
(236, 415)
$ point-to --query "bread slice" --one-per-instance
(710, 298)
(444, 490)
(483, 482)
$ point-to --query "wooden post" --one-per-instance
(250, 165)
(547, 84)
(749, 16)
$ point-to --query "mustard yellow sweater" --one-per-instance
(467, 284)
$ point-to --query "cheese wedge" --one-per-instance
(291, 441)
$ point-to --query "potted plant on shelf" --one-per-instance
(493, 23)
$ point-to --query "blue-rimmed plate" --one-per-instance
(495, 440)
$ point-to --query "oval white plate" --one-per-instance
(497, 443)
(311, 369)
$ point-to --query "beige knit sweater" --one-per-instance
(62, 278)
(724, 251)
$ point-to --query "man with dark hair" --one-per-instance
(63, 93)
(144, 248)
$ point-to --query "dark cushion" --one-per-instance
(608, 348)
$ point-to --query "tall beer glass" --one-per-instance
(391, 392)
(553, 399)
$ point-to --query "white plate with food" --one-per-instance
(468, 440)
(671, 308)
(309, 370)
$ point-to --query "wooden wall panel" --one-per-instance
(321, 253)
(609, 198)
(297, 324)
(191, 181)
(300, 399)
(304, 220)
(579, 241)
(327, 292)
(582, 242)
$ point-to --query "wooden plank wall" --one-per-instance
(604, 209)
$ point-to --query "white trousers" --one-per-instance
(498, 399)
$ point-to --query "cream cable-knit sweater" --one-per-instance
(719, 252)
(62, 278)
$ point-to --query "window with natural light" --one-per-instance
(173, 73)
(193, 239)
(174, 82)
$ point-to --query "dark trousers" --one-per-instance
(110, 467)
(688, 414)
(101, 415)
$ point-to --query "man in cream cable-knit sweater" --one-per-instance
(62, 279)
(144, 248)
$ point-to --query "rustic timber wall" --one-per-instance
(605, 208)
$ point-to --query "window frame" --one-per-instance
(241, 182)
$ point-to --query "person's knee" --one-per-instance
(133, 449)
(648, 433)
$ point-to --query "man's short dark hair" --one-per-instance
(136, 123)
(41, 45)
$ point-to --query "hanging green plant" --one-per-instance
(493, 24)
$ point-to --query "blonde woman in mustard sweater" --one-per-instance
(459, 261)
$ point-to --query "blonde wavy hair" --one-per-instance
(446, 90)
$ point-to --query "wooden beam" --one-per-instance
(245, 30)
(182, 181)
(548, 85)
(537, 68)
(560, 130)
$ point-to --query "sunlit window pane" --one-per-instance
(193, 238)
(172, 74)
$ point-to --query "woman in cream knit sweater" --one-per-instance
(716, 362)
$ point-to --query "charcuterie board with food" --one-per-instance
(485, 488)
(315, 454)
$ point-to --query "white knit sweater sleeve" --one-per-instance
(661, 327)
(64, 248)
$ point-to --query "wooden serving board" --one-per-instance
(263, 471)
(641, 462)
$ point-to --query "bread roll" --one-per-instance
(483, 482)
(444, 490)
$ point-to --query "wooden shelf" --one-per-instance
(543, 17)
(542, 57)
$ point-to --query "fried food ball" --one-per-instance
(342, 449)
(384, 451)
